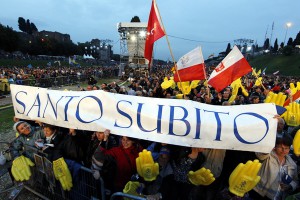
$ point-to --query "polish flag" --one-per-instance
(191, 66)
(295, 97)
(154, 31)
(232, 67)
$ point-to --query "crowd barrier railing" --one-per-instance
(43, 184)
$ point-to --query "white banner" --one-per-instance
(173, 121)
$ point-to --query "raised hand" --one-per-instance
(62, 173)
(21, 168)
(146, 167)
(202, 176)
(244, 177)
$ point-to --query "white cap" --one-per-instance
(15, 127)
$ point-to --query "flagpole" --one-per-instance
(170, 49)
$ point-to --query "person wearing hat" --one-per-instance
(26, 139)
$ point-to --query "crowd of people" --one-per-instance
(113, 157)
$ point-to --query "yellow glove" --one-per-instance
(133, 188)
(166, 84)
(146, 167)
(21, 168)
(62, 173)
(201, 177)
(278, 99)
(292, 114)
(244, 178)
(296, 143)
(293, 89)
(184, 87)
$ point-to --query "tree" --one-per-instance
(28, 29)
(281, 45)
(290, 42)
(33, 28)
(9, 39)
(228, 49)
(22, 24)
(275, 49)
(297, 40)
(135, 19)
(267, 44)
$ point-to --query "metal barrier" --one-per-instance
(53, 81)
(127, 196)
(43, 184)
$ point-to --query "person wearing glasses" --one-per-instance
(278, 172)
(26, 140)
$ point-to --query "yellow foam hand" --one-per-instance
(166, 84)
(202, 176)
(146, 167)
(62, 173)
(292, 114)
(236, 85)
(21, 168)
(254, 72)
(184, 87)
(194, 84)
(296, 143)
(293, 88)
(277, 99)
(258, 81)
(244, 178)
(133, 188)
(172, 82)
(258, 72)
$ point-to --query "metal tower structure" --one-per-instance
(132, 42)
(245, 45)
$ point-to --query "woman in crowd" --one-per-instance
(52, 141)
(185, 159)
(103, 139)
(26, 139)
(278, 172)
(124, 157)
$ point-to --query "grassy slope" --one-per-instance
(287, 65)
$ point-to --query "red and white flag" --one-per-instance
(154, 31)
(295, 97)
(232, 67)
(191, 66)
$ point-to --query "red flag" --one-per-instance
(154, 31)
(191, 66)
(232, 67)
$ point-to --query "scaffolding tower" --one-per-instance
(132, 43)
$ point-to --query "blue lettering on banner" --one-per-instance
(100, 106)
(238, 136)
(67, 106)
(158, 121)
(37, 99)
(172, 119)
(198, 123)
(54, 110)
(124, 114)
(20, 102)
(219, 124)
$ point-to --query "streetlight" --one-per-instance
(288, 25)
